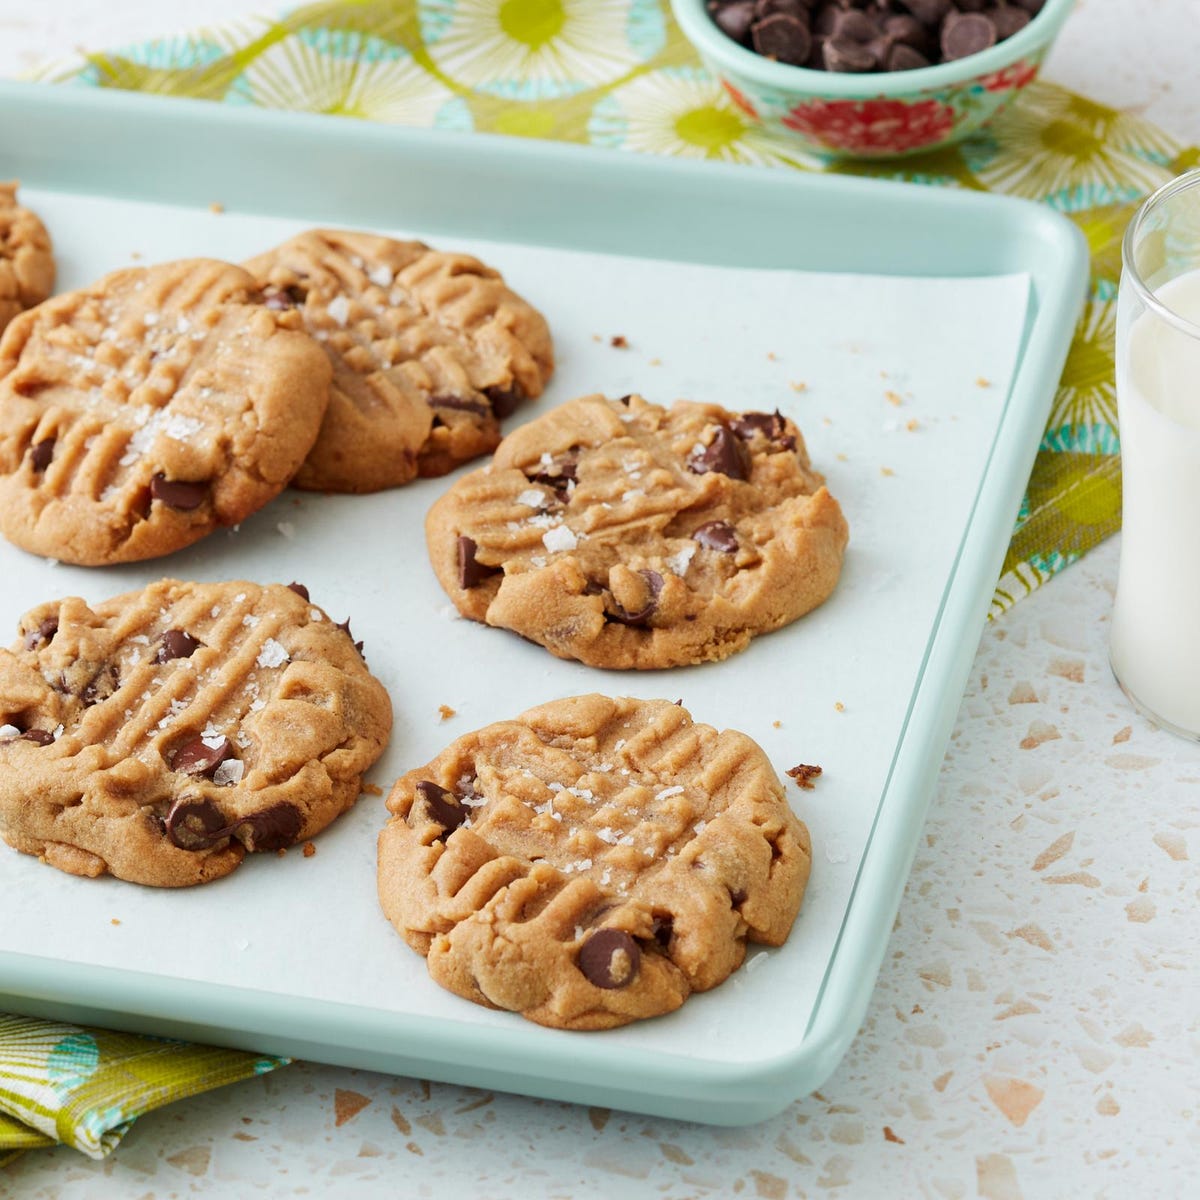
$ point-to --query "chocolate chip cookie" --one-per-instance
(162, 734)
(623, 534)
(140, 413)
(429, 351)
(26, 257)
(592, 862)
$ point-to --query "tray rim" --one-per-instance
(1024, 237)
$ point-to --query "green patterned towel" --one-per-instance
(618, 74)
(85, 1087)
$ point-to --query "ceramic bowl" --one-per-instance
(881, 114)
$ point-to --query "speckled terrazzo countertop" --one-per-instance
(1035, 1027)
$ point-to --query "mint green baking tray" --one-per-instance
(115, 145)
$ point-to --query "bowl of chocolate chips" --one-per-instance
(872, 78)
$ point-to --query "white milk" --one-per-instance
(1156, 619)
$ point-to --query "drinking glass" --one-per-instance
(1155, 638)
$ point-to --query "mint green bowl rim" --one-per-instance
(727, 56)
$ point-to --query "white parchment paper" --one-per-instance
(898, 385)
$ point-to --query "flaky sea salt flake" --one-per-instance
(272, 654)
(230, 771)
(560, 538)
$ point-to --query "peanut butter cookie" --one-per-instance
(591, 862)
(623, 534)
(429, 351)
(142, 412)
(164, 733)
(26, 257)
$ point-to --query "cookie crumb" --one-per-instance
(619, 342)
(890, 1136)
(776, 724)
(804, 775)
(372, 789)
(309, 849)
(887, 472)
(912, 425)
(655, 362)
(115, 921)
(446, 712)
(771, 356)
(597, 338)
(838, 706)
(843, 457)
(893, 398)
(983, 383)
(798, 385)
(281, 852)
(135, 255)
(216, 207)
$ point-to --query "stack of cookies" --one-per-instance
(588, 863)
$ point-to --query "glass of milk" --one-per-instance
(1155, 646)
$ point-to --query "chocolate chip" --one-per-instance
(194, 824)
(177, 493)
(272, 829)
(664, 929)
(471, 572)
(737, 898)
(345, 628)
(848, 57)
(299, 589)
(41, 454)
(792, 8)
(102, 685)
(441, 807)
(610, 958)
(966, 34)
(716, 535)
(558, 474)
(1008, 21)
(771, 425)
(39, 737)
(177, 644)
(43, 634)
(905, 58)
(196, 758)
(626, 399)
(725, 454)
(459, 404)
(928, 12)
(784, 39)
(279, 299)
(908, 31)
(826, 19)
(856, 26)
(734, 20)
(504, 401)
(654, 586)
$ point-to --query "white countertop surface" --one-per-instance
(1035, 1027)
